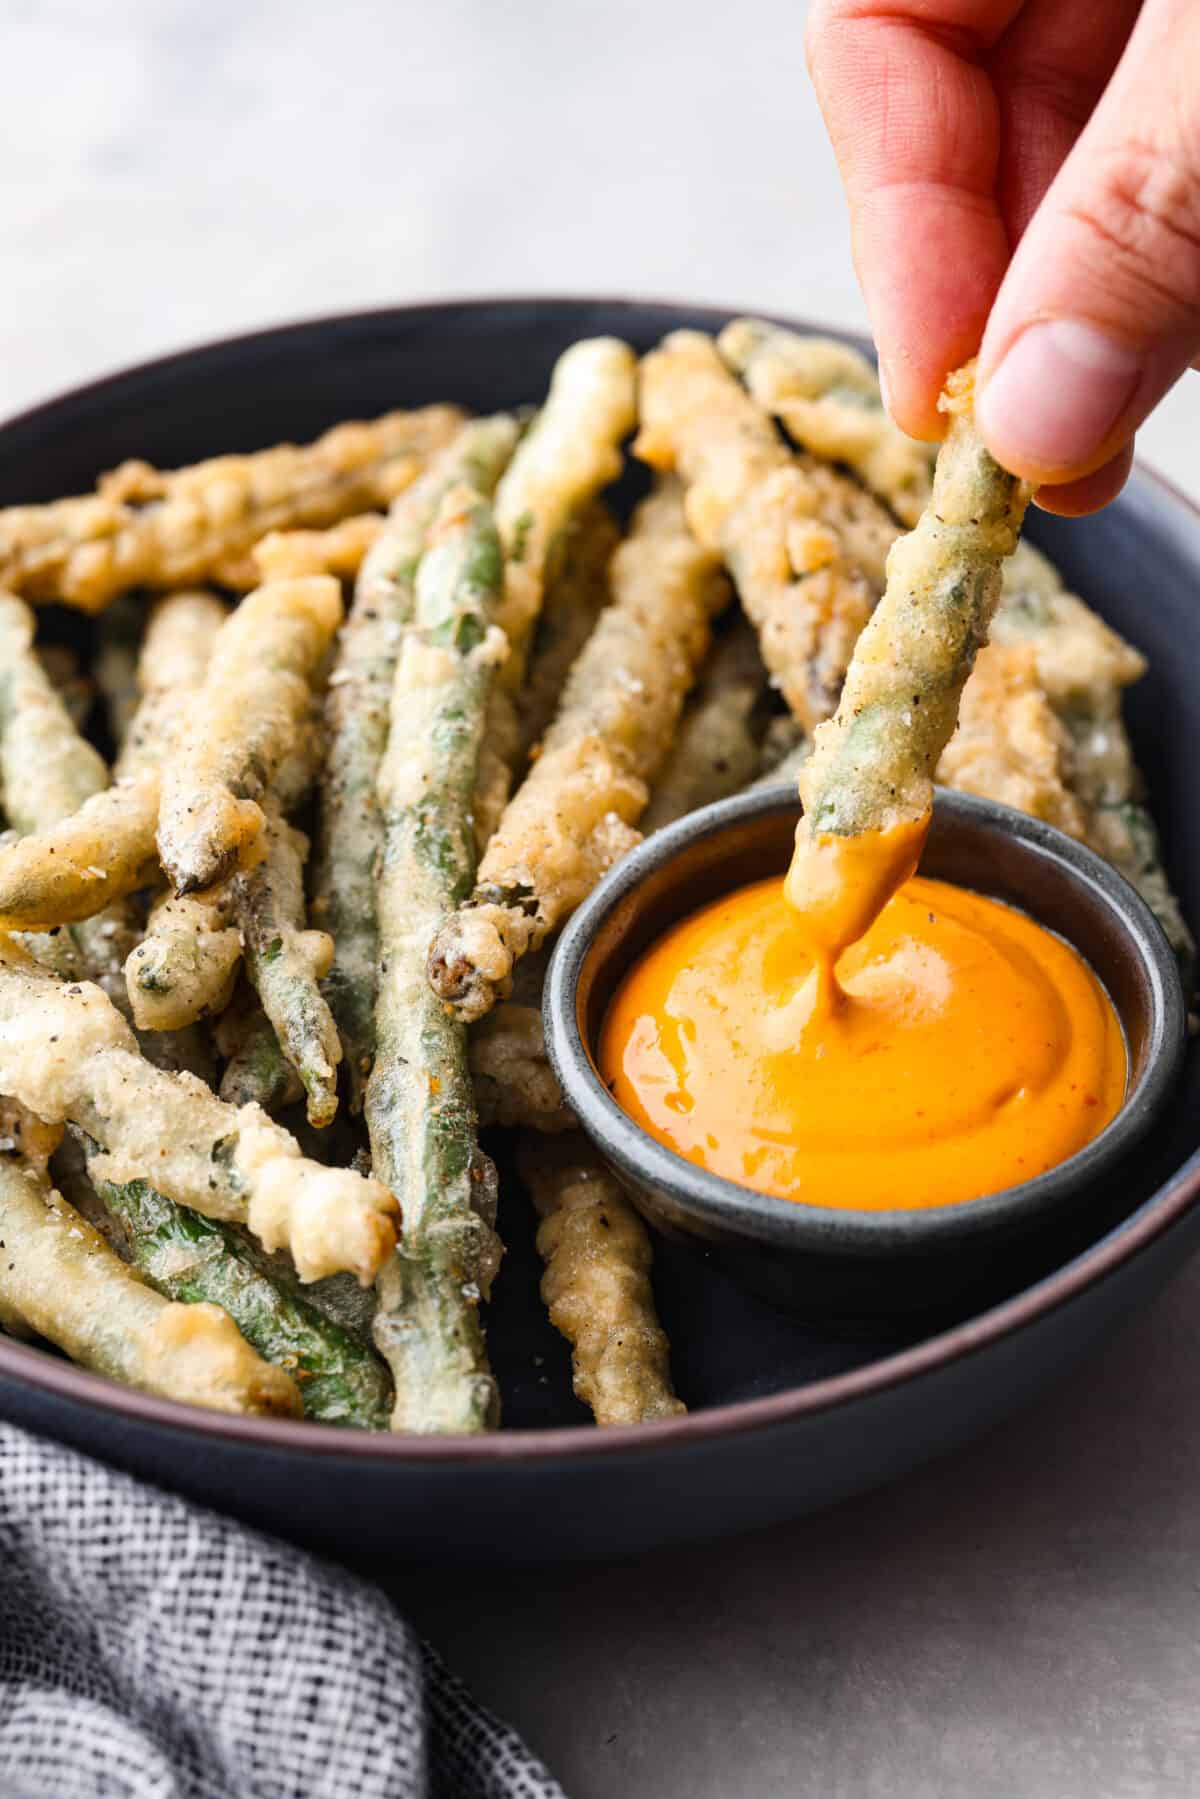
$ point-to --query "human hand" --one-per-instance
(1023, 174)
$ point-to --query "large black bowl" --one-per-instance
(783, 1418)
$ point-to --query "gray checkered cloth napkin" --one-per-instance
(152, 1650)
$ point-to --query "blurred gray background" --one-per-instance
(1021, 1621)
(174, 170)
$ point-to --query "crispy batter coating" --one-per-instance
(46, 768)
(571, 451)
(58, 1277)
(67, 1054)
(514, 1083)
(76, 690)
(244, 722)
(1077, 653)
(357, 705)
(115, 660)
(574, 602)
(574, 814)
(716, 749)
(73, 869)
(339, 550)
(258, 1072)
(872, 764)
(1010, 744)
(25, 1135)
(419, 1104)
(1082, 666)
(827, 396)
(186, 963)
(751, 500)
(286, 962)
(146, 528)
(48, 771)
(569, 454)
(181, 634)
(597, 1282)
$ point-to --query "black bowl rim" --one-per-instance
(1164, 1209)
(793, 1225)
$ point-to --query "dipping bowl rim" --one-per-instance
(730, 1210)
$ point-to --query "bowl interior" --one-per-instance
(1138, 563)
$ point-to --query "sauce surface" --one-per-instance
(961, 1049)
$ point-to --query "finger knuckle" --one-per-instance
(1143, 206)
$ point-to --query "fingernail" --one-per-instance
(1056, 395)
(885, 385)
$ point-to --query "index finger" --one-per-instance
(916, 129)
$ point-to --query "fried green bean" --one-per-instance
(195, 1260)
(59, 1278)
(775, 523)
(514, 1082)
(574, 815)
(48, 772)
(1082, 666)
(257, 1071)
(872, 765)
(350, 833)
(115, 662)
(243, 724)
(572, 450)
(74, 863)
(337, 550)
(67, 1054)
(75, 689)
(1010, 745)
(46, 768)
(285, 963)
(148, 528)
(419, 1105)
(826, 394)
(597, 1282)
(184, 967)
(181, 635)
(716, 749)
(574, 602)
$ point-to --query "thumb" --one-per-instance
(1099, 312)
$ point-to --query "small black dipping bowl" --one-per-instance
(856, 1267)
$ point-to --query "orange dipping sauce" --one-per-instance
(962, 1049)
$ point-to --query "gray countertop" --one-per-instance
(1021, 1621)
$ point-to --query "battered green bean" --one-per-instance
(827, 396)
(571, 451)
(716, 750)
(419, 1106)
(194, 1259)
(574, 814)
(145, 527)
(258, 1072)
(285, 962)
(872, 764)
(350, 833)
(68, 1055)
(574, 602)
(59, 1278)
(245, 722)
(780, 526)
(597, 1282)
